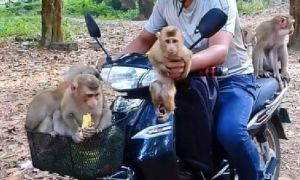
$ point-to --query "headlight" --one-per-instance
(123, 78)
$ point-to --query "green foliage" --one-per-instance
(252, 6)
(21, 8)
(30, 26)
(79, 7)
(20, 26)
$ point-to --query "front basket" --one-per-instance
(96, 157)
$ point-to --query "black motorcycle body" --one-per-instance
(151, 150)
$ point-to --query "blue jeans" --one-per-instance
(233, 109)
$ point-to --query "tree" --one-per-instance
(128, 4)
(145, 8)
(294, 41)
(51, 22)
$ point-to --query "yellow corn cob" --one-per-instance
(86, 121)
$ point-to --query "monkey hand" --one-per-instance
(175, 68)
(266, 74)
(78, 137)
(285, 76)
(88, 132)
(53, 134)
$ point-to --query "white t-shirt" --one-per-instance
(165, 12)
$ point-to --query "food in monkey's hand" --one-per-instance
(87, 121)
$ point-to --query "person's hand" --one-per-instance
(100, 62)
(175, 68)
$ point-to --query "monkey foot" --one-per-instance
(265, 75)
(53, 134)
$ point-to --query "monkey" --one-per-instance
(84, 95)
(249, 38)
(169, 45)
(271, 47)
(42, 107)
(76, 69)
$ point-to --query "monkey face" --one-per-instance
(286, 22)
(171, 44)
(86, 97)
(249, 37)
(90, 97)
(171, 40)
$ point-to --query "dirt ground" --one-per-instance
(26, 70)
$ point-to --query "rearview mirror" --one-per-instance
(210, 23)
(94, 32)
(92, 26)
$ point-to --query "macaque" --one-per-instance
(80, 69)
(249, 38)
(42, 107)
(271, 47)
(83, 96)
(168, 46)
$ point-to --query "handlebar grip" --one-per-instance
(214, 71)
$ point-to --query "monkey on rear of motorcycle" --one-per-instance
(168, 46)
(249, 38)
(84, 96)
(271, 47)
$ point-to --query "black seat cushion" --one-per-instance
(265, 89)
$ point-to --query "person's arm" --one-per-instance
(141, 44)
(214, 55)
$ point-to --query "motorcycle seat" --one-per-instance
(265, 90)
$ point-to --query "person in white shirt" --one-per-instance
(226, 49)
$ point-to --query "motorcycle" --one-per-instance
(150, 151)
(156, 151)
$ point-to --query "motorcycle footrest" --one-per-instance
(270, 168)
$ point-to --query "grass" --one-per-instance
(19, 26)
(253, 6)
(24, 19)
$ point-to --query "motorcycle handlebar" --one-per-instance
(214, 71)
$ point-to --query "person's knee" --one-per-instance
(232, 137)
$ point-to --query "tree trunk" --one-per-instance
(128, 4)
(294, 41)
(51, 22)
(145, 8)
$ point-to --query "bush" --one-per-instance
(79, 7)
(20, 26)
(23, 8)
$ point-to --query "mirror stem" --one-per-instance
(192, 46)
(108, 57)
